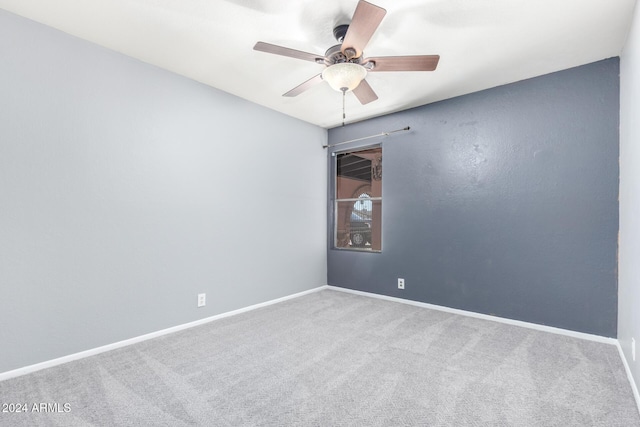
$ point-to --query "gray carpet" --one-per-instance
(337, 359)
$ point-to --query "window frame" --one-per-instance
(372, 199)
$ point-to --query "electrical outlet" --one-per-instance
(633, 349)
(400, 283)
(202, 300)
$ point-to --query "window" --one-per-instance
(358, 200)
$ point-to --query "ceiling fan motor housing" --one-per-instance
(334, 55)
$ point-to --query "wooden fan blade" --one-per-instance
(304, 86)
(364, 23)
(285, 51)
(404, 63)
(364, 93)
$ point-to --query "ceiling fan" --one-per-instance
(346, 68)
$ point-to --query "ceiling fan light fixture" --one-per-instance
(344, 76)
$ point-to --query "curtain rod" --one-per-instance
(367, 137)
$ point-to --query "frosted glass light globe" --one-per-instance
(344, 76)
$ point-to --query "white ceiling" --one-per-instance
(481, 43)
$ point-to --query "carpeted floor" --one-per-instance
(336, 359)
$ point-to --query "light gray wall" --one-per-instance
(503, 202)
(629, 260)
(126, 190)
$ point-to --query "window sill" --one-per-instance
(374, 251)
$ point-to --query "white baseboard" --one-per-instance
(632, 381)
(92, 352)
(520, 323)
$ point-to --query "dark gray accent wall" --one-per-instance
(502, 202)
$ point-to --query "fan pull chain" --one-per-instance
(344, 93)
